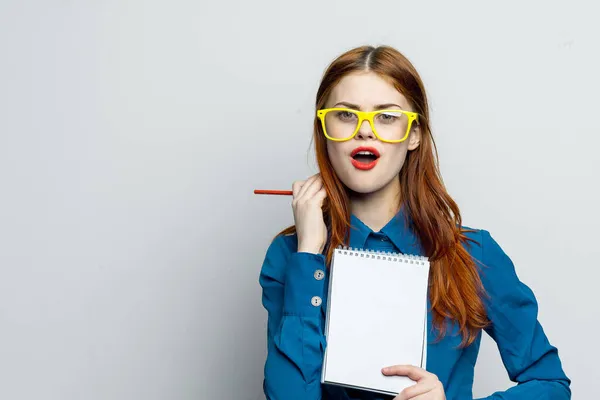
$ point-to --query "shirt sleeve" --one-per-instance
(293, 285)
(530, 360)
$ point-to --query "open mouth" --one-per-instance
(364, 158)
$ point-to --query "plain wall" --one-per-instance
(132, 134)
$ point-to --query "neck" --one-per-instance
(376, 209)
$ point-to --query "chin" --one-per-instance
(365, 182)
(363, 187)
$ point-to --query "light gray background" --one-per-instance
(132, 134)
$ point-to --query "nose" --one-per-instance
(365, 131)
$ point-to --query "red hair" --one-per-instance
(455, 288)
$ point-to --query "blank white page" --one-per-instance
(376, 317)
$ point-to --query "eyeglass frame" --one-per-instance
(368, 116)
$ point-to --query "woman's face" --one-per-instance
(367, 91)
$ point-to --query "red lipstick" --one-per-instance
(362, 164)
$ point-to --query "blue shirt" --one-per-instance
(296, 343)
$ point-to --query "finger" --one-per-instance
(320, 196)
(309, 182)
(413, 372)
(313, 189)
(425, 396)
(424, 386)
(296, 186)
(420, 397)
(310, 188)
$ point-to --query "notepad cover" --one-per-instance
(376, 317)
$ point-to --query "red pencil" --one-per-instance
(277, 192)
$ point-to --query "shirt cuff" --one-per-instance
(304, 283)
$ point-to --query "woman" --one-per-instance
(379, 188)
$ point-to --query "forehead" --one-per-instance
(366, 89)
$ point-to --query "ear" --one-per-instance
(414, 139)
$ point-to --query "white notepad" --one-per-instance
(376, 317)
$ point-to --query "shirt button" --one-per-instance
(316, 301)
(319, 274)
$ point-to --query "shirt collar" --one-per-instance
(397, 229)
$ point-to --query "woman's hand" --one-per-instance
(428, 386)
(308, 214)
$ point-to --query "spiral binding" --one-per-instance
(382, 255)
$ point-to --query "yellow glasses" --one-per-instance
(391, 126)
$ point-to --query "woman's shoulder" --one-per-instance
(494, 264)
(284, 243)
(474, 238)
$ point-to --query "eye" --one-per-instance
(389, 117)
(345, 115)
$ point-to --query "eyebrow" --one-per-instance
(357, 107)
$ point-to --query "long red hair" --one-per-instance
(455, 288)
